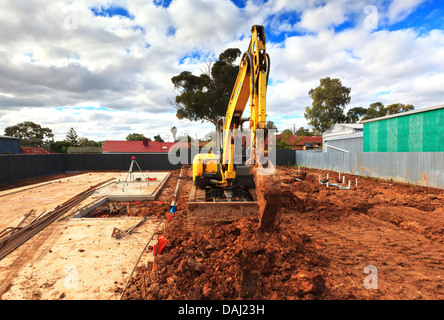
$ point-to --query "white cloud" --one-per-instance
(369, 63)
(320, 18)
(126, 65)
(400, 9)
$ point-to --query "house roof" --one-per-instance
(32, 150)
(293, 138)
(139, 146)
(407, 113)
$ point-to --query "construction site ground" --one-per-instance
(378, 240)
(75, 258)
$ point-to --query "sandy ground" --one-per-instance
(45, 196)
(76, 258)
(80, 261)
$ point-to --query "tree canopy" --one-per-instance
(206, 97)
(72, 137)
(302, 132)
(329, 101)
(354, 115)
(61, 146)
(158, 138)
(85, 142)
(270, 125)
(30, 134)
(376, 110)
(135, 137)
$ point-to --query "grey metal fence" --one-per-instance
(420, 168)
(117, 161)
(19, 167)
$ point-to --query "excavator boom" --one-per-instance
(251, 84)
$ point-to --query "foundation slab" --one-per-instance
(136, 189)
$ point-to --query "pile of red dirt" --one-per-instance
(322, 241)
(232, 261)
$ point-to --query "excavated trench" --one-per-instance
(111, 209)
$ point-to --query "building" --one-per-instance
(144, 146)
(35, 150)
(419, 130)
(343, 137)
(9, 145)
(301, 143)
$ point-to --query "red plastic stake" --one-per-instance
(161, 243)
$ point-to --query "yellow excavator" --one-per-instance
(217, 177)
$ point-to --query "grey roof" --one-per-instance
(343, 128)
(347, 125)
(345, 136)
(351, 125)
(407, 113)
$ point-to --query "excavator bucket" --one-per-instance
(268, 193)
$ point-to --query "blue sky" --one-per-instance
(111, 11)
(105, 67)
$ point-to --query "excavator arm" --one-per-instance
(251, 84)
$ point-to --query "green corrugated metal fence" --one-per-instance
(418, 132)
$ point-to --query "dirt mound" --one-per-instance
(428, 224)
(233, 261)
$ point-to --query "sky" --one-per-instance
(104, 67)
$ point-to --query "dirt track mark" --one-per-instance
(409, 264)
